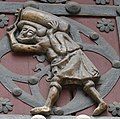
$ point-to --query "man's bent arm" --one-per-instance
(23, 48)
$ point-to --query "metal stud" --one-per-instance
(94, 36)
(72, 7)
(33, 80)
(116, 64)
(17, 92)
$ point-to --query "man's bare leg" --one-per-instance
(52, 98)
(94, 94)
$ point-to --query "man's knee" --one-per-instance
(56, 84)
(88, 85)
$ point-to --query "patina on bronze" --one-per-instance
(42, 32)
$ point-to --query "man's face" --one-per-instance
(27, 35)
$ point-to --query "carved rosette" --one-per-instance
(3, 20)
(5, 105)
(114, 109)
(105, 25)
(102, 2)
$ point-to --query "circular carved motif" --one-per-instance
(108, 80)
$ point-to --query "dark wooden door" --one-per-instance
(96, 16)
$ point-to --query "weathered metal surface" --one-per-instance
(59, 9)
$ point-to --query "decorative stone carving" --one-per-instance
(102, 2)
(105, 25)
(3, 20)
(114, 109)
(5, 105)
(42, 32)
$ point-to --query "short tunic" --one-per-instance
(74, 67)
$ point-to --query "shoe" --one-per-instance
(41, 110)
(101, 108)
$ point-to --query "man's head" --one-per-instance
(29, 31)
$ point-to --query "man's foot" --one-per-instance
(41, 110)
(101, 108)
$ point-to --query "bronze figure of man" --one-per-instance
(42, 32)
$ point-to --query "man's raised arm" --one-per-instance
(22, 48)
